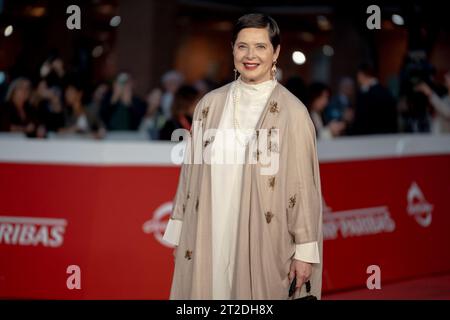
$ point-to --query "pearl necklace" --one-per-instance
(237, 126)
(236, 123)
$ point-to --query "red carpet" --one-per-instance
(435, 287)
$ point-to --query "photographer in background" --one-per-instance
(53, 71)
(441, 105)
(413, 105)
(121, 108)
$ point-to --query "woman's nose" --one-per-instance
(250, 54)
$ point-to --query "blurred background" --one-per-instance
(85, 180)
(121, 70)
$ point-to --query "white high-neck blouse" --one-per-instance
(228, 156)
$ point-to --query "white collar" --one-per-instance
(263, 86)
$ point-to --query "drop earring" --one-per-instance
(274, 70)
(235, 74)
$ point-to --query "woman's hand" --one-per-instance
(301, 270)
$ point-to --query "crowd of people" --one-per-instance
(59, 102)
(365, 106)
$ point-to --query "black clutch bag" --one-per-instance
(309, 296)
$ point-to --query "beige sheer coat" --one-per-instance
(277, 211)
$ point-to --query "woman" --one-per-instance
(122, 109)
(319, 98)
(243, 232)
(77, 118)
(441, 105)
(17, 114)
(184, 102)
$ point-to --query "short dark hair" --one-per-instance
(258, 20)
(315, 90)
(367, 68)
(184, 98)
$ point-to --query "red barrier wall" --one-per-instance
(108, 219)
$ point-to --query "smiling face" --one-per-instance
(254, 55)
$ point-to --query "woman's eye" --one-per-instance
(241, 47)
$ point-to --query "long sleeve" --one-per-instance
(307, 252)
(181, 196)
(304, 213)
(173, 232)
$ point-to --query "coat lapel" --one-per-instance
(271, 106)
(218, 108)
